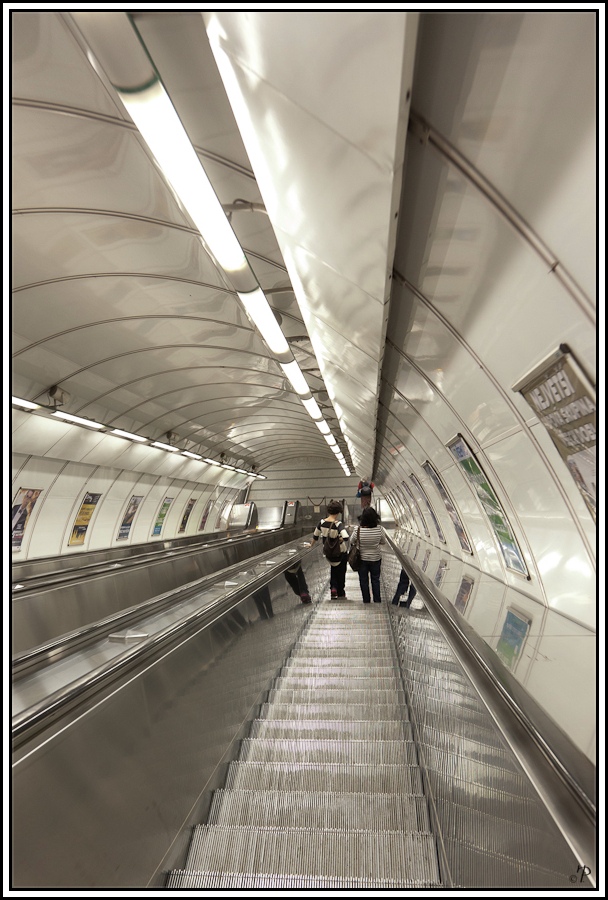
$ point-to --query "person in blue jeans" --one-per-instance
(370, 537)
(402, 589)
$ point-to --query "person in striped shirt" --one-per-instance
(370, 536)
(333, 523)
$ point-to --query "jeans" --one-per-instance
(370, 569)
(337, 576)
(404, 584)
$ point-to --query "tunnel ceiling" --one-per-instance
(117, 301)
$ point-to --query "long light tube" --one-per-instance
(312, 408)
(330, 439)
(26, 404)
(127, 434)
(160, 126)
(165, 447)
(70, 418)
(323, 427)
(259, 310)
(296, 376)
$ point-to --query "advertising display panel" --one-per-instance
(162, 513)
(83, 519)
(21, 510)
(451, 509)
(129, 516)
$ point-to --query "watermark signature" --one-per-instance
(581, 872)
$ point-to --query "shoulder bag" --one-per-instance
(354, 556)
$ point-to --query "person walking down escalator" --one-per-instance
(370, 536)
(402, 589)
(335, 543)
(297, 581)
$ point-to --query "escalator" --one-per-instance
(335, 787)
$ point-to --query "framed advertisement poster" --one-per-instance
(464, 594)
(450, 508)
(205, 515)
(483, 489)
(129, 516)
(425, 561)
(186, 515)
(438, 529)
(417, 508)
(439, 574)
(162, 513)
(83, 519)
(512, 638)
(564, 400)
(21, 511)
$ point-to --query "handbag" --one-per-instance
(354, 555)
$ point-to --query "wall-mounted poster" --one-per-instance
(82, 520)
(512, 638)
(186, 515)
(205, 515)
(21, 510)
(451, 509)
(425, 561)
(464, 594)
(415, 481)
(492, 508)
(439, 574)
(125, 525)
(563, 398)
(417, 508)
(160, 519)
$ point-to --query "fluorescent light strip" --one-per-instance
(165, 447)
(127, 434)
(330, 439)
(69, 418)
(323, 427)
(26, 404)
(212, 462)
(312, 408)
(262, 316)
(192, 455)
(295, 375)
(160, 126)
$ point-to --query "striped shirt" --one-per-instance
(322, 530)
(369, 542)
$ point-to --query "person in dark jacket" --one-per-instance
(402, 589)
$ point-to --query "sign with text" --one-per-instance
(21, 510)
(160, 519)
(83, 519)
(125, 525)
(564, 401)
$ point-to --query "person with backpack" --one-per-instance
(335, 547)
(364, 490)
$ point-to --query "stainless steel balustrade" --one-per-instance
(53, 609)
(459, 693)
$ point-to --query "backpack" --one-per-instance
(332, 549)
(366, 490)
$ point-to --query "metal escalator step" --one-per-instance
(264, 882)
(340, 666)
(349, 652)
(366, 697)
(323, 810)
(322, 682)
(403, 857)
(470, 717)
(452, 724)
(337, 710)
(307, 776)
(323, 729)
(348, 751)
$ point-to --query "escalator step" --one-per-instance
(323, 810)
(354, 752)
(326, 729)
(336, 710)
(403, 857)
(333, 777)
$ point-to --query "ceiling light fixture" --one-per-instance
(164, 446)
(127, 434)
(26, 404)
(69, 418)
